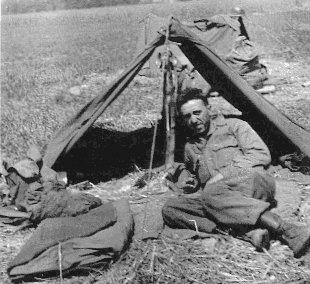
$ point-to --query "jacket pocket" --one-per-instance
(225, 152)
(228, 142)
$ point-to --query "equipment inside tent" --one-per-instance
(280, 133)
(226, 35)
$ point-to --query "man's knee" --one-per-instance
(214, 192)
(254, 181)
(264, 181)
(259, 174)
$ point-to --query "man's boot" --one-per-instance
(259, 238)
(295, 236)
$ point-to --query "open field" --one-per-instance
(45, 54)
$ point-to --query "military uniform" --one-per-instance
(232, 148)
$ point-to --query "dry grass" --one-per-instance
(215, 259)
(231, 261)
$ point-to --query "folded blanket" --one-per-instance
(54, 230)
(85, 245)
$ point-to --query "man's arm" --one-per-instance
(181, 178)
(255, 152)
(189, 182)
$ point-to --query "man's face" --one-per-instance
(196, 116)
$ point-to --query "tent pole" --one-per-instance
(169, 101)
(172, 113)
(168, 90)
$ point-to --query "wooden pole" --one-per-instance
(169, 112)
(169, 102)
(172, 111)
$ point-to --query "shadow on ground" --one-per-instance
(104, 154)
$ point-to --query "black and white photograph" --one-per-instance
(155, 141)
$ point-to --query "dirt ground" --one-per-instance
(291, 97)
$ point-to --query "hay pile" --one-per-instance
(215, 259)
(218, 259)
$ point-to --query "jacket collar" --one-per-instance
(216, 121)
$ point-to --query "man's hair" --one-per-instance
(190, 94)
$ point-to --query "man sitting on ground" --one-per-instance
(226, 180)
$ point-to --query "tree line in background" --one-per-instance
(30, 6)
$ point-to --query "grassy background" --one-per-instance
(44, 54)
(28, 6)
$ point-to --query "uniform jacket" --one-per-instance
(229, 146)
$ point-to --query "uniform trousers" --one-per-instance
(234, 202)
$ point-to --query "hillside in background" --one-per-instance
(30, 6)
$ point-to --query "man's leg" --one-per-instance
(234, 205)
(239, 200)
(184, 213)
(253, 183)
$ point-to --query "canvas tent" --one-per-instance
(227, 36)
(279, 131)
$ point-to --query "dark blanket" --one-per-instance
(53, 231)
(62, 203)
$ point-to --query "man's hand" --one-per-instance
(189, 185)
(215, 178)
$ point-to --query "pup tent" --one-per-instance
(280, 133)
(226, 35)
